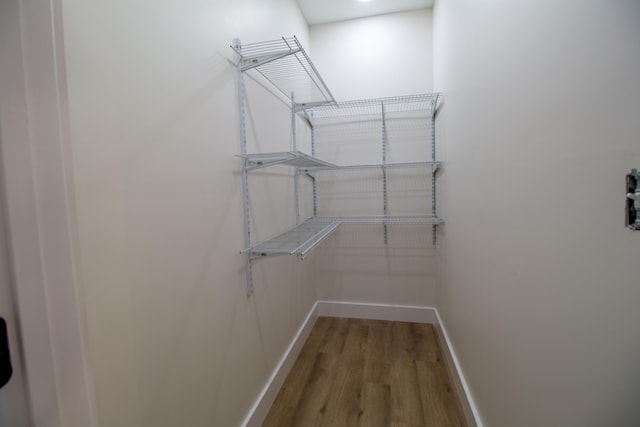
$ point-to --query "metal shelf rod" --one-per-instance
(319, 238)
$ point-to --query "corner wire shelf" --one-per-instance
(426, 103)
(371, 116)
(285, 64)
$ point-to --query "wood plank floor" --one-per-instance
(354, 372)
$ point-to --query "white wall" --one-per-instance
(540, 276)
(173, 338)
(13, 397)
(40, 215)
(385, 55)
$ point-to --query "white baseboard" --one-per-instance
(469, 408)
(399, 313)
(268, 395)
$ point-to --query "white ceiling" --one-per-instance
(323, 11)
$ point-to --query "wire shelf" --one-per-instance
(305, 237)
(298, 241)
(426, 103)
(285, 64)
(382, 219)
(291, 158)
(433, 166)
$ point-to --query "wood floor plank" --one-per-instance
(406, 404)
(343, 406)
(427, 348)
(335, 335)
(312, 405)
(354, 372)
(290, 392)
(375, 403)
(316, 337)
(299, 376)
(438, 398)
(376, 362)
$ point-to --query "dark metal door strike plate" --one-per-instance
(633, 201)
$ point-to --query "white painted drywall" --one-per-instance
(385, 55)
(13, 397)
(40, 211)
(173, 338)
(540, 285)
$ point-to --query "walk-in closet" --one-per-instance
(337, 212)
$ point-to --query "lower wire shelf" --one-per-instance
(291, 158)
(382, 219)
(305, 237)
(298, 241)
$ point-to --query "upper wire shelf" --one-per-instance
(422, 103)
(285, 64)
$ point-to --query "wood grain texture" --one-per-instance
(370, 373)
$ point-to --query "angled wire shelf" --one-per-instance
(298, 241)
(285, 64)
(297, 159)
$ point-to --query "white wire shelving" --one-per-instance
(373, 108)
(284, 64)
(298, 241)
(296, 159)
(377, 126)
